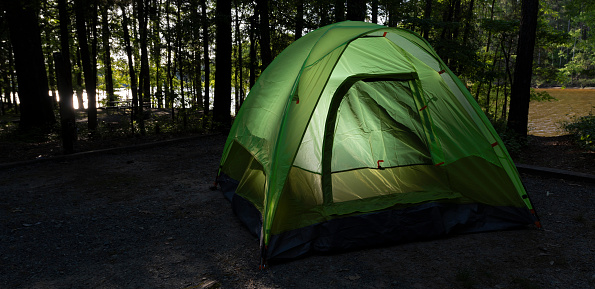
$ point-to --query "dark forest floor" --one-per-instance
(146, 218)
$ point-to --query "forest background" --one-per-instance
(197, 59)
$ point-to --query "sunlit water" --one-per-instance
(545, 117)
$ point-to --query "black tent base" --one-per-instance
(422, 222)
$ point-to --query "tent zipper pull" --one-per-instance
(378, 163)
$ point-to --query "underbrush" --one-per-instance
(113, 125)
(583, 129)
(512, 141)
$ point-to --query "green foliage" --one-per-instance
(541, 96)
(583, 129)
(513, 142)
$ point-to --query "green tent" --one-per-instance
(358, 134)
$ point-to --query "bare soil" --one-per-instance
(144, 217)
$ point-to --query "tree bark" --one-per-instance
(299, 19)
(133, 84)
(64, 77)
(265, 33)
(88, 69)
(67, 117)
(25, 36)
(356, 10)
(253, 59)
(427, 17)
(206, 58)
(145, 81)
(107, 58)
(374, 11)
(521, 87)
(339, 10)
(156, 20)
(222, 106)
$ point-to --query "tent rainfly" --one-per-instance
(358, 134)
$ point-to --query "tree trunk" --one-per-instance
(156, 20)
(79, 80)
(374, 11)
(356, 10)
(133, 85)
(52, 81)
(339, 10)
(427, 17)
(238, 69)
(145, 80)
(90, 81)
(222, 106)
(67, 117)
(521, 87)
(169, 87)
(206, 58)
(64, 77)
(253, 59)
(107, 58)
(25, 36)
(265, 33)
(299, 19)
(181, 65)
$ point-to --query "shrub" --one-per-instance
(583, 128)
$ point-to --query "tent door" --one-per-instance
(375, 141)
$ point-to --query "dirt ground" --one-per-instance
(146, 218)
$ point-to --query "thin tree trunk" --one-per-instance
(356, 10)
(299, 19)
(132, 73)
(79, 80)
(64, 77)
(107, 57)
(67, 117)
(181, 64)
(339, 10)
(518, 117)
(485, 55)
(206, 58)
(238, 70)
(265, 33)
(145, 80)
(427, 17)
(253, 59)
(157, 52)
(221, 109)
(374, 11)
(90, 82)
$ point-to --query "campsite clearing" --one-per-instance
(147, 219)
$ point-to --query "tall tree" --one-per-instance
(265, 33)
(356, 10)
(521, 87)
(25, 36)
(374, 11)
(222, 106)
(144, 79)
(253, 60)
(87, 61)
(299, 19)
(107, 57)
(339, 10)
(64, 76)
(206, 57)
(132, 73)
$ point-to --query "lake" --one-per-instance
(545, 116)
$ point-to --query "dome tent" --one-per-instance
(358, 134)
